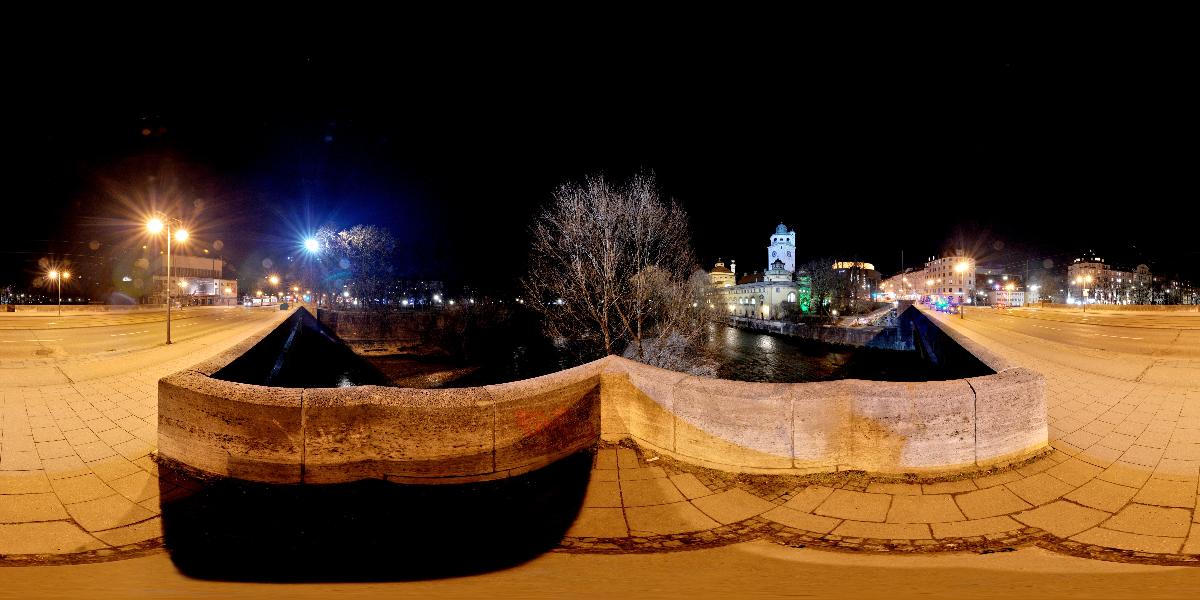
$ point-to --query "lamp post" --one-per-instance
(58, 277)
(961, 269)
(155, 225)
(313, 248)
(1082, 281)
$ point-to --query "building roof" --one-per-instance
(750, 278)
(720, 268)
(781, 228)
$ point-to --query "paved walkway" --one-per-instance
(1121, 483)
(75, 467)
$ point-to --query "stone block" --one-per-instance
(642, 401)
(821, 424)
(1010, 409)
(371, 431)
(543, 419)
(911, 427)
(231, 429)
(734, 423)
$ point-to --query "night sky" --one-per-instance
(453, 147)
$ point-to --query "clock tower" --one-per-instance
(783, 248)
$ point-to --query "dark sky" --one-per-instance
(453, 146)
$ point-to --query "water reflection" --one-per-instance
(753, 356)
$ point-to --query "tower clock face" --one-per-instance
(774, 254)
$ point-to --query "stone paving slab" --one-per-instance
(732, 506)
(1151, 520)
(883, 531)
(677, 517)
(1129, 541)
(974, 528)
(54, 537)
(923, 509)
(1102, 495)
(802, 520)
(861, 506)
(990, 502)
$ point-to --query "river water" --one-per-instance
(741, 355)
(312, 357)
(755, 356)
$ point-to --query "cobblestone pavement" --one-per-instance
(1119, 484)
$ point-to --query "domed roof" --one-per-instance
(781, 228)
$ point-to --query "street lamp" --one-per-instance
(1081, 282)
(155, 225)
(58, 277)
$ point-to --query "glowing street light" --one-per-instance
(312, 245)
(58, 276)
(1083, 281)
(155, 225)
(274, 279)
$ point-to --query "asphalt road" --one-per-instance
(73, 336)
(1158, 335)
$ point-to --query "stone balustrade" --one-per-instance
(330, 435)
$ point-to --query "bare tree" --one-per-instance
(361, 257)
(610, 266)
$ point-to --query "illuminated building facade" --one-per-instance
(762, 296)
(951, 278)
(1091, 280)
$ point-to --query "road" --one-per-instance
(48, 350)
(1157, 335)
(33, 337)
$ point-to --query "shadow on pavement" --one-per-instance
(369, 530)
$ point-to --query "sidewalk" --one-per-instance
(75, 470)
(1120, 484)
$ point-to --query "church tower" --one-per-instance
(783, 247)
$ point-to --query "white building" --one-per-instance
(760, 296)
(722, 277)
(1091, 280)
(783, 247)
(196, 280)
(950, 277)
(909, 285)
